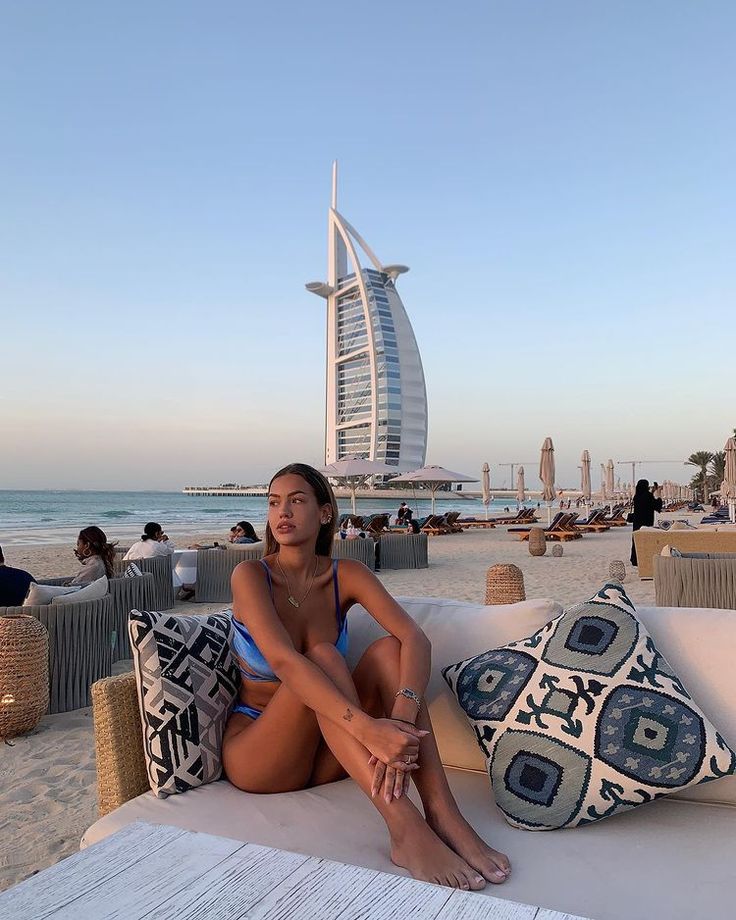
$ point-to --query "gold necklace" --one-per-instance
(292, 600)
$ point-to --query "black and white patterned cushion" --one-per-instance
(187, 682)
(132, 571)
(585, 719)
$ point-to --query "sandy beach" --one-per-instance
(47, 795)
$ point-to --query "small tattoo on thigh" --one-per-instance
(348, 715)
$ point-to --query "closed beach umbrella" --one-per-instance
(433, 477)
(354, 471)
(547, 474)
(585, 476)
(486, 486)
(603, 483)
(520, 487)
(728, 486)
(609, 478)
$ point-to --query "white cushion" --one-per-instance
(91, 592)
(456, 630)
(40, 595)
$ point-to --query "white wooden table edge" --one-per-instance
(80, 885)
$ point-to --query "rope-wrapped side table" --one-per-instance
(537, 542)
(617, 571)
(504, 584)
(24, 674)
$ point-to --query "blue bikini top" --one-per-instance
(248, 652)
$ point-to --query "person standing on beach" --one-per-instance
(14, 584)
(153, 542)
(96, 555)
(646, 502)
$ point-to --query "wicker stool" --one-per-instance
(557, 549)
(537, 542)
(617, 571)
(24, 674)
(504, 584)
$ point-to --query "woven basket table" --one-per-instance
(504, 584)
(617, 571)
(24, 674)
(537, 542)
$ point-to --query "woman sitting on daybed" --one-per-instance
(303, 719)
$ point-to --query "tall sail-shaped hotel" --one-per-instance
(376, 396)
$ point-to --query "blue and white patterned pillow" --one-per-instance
(187, 682)
(585, 719)
(132, 571)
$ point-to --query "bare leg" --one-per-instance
(414, 845)
(377, 673)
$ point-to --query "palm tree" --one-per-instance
(702, 459)
(718, 466)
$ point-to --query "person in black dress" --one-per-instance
(646, 502)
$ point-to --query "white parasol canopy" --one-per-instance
(486, 486)
(433, 477)
(585, 476)
(520, 487)
(354, 471)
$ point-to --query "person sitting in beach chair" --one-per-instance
(95, 554)
(302, 719)
(14, 584)
(153, 542)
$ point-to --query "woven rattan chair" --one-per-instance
(127, 594)
(403, 551)
(121, 766)
(695, 582)
(81, 644)
(161, 567)
(362, 549)
(215, 569)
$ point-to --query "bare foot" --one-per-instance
(455, 831)
(428, 859)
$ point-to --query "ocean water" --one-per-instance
(57, 516)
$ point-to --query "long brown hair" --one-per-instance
(324, 495)
(96, 540)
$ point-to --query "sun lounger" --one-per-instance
(617, 518)
(435, 525)
(560, 529)
(593, 523)
(377, 524)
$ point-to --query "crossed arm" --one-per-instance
(387, 740)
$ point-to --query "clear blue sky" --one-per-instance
(561, 178)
